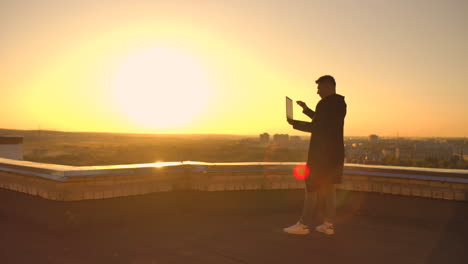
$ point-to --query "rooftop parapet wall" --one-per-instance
(66, 183)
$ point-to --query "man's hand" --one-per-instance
(302, 104)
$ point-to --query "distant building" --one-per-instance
(389, 152)
(296, 140)
(373, 138)
(281, 139)
(264, 138)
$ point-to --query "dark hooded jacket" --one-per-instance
(326, 147)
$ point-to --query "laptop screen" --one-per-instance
(289, 108)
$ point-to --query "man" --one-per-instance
(325, 158)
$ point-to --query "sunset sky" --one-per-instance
(225, 66)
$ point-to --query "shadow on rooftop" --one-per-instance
(229, 227)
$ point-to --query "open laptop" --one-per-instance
(289, 108)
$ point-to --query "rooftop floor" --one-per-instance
(229, 227)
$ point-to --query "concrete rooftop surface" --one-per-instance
(230, 227)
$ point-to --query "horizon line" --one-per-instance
(213, 134)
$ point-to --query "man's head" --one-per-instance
(326, 86)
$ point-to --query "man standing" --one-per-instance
(325, 158)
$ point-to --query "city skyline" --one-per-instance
(210, 67)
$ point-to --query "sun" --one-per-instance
(160, 87)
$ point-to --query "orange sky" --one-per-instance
(223, 67)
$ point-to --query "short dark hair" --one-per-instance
(326, 78)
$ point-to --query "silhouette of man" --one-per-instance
(325, 158)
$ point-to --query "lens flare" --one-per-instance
(301, 171)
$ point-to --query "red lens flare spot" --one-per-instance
(301, 171)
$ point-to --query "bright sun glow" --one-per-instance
(160, 87)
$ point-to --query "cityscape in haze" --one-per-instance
(90, 149)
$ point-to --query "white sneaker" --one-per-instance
(297, 229)
(326, 229)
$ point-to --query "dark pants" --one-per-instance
(320, 202)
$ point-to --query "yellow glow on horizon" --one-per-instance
(59, 66)
(156, 78)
